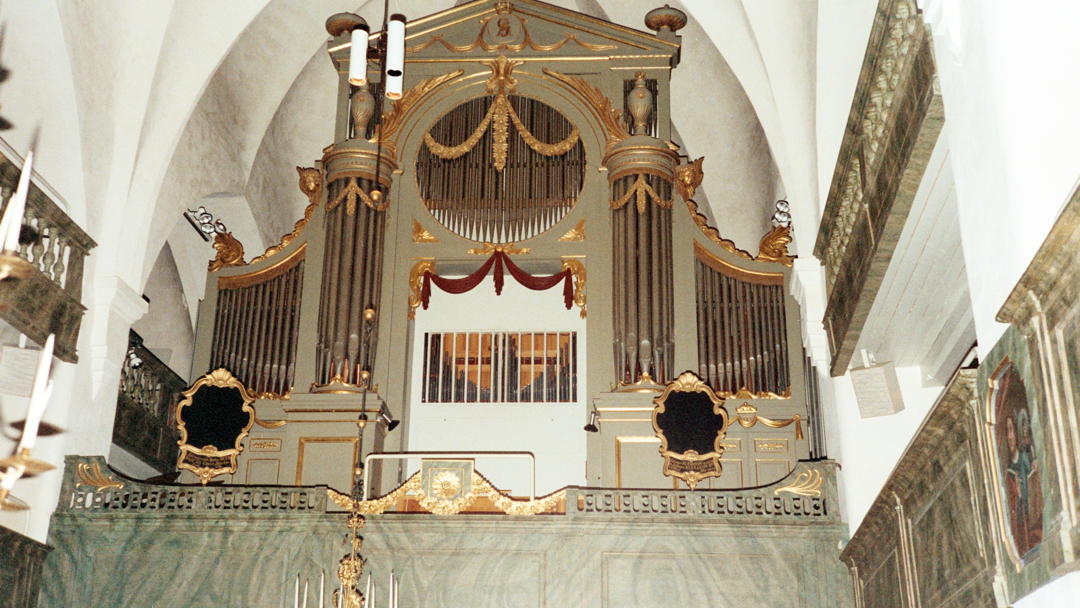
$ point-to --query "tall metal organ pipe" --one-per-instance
(352, 263)
(641, 174)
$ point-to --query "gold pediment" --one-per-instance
(524, 28)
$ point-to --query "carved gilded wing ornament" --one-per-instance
(774, 246)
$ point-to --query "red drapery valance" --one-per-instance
(498, 260)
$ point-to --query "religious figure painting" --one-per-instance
(1018, 462)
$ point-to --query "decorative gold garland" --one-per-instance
(498, 115)
(351, 192)
(642, 191)
(748, 417)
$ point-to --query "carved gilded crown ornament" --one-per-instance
(691, 423)
(499, 116)
(213, 418)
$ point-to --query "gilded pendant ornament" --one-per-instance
(506, 31)
(575, 234)
(391, 121)
(416, 282)
(688, 177)
(230, 252)
(499, 116)
(351, 192)
(311, 186)
(641, 192)
(608, 115)
(421, 234)
(90, 475)
(747, 416)
(577, 269)
(774, 244)
(806, 483)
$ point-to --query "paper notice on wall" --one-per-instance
(17, 367)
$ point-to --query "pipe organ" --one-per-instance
(543, 136)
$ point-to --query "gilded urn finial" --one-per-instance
(665, 18)
(640, 104)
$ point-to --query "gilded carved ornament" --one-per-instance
(774, 244)
(499, 116)
(421, 234)
(90, 475)
(506, 31)
(714, 235)
(225, 458)
(230, 252)
(575, 234)
(688, 177)
(806, 483)
(311, 185)
(507, 248)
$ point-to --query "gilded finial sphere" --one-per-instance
(665, 17)
(340, 23)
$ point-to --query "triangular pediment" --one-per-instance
(525, 28)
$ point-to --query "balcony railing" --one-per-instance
(145, 407)
(47, 301)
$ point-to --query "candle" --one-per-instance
(340, 597)
(322, 586)
(296, 593)
(305, 594)
(390, 599)
(367, 592)
(13, 215)
(39, 396)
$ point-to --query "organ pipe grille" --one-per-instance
(472, 198)
(500, 367)
(742, 332)
(255, 330)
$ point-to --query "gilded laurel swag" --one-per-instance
(499, 116)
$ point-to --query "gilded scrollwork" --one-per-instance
(209, 461)
(575, 234)
(774, 246)
(747, 415)
(688, 177)
(90, 475)
(310, 180)
(610, 116)
(421, 234)
(230, 252)
(806, 483)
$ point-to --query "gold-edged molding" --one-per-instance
(263, 274)
(220, 377)
(730, 270)
(311, 184)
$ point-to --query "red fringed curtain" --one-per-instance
(498, 260)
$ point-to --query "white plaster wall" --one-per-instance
(1008, 80)
(166, 328)
(1058, 593)
(870, 448)
(553, 432)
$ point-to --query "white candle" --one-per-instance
(322, 587)
(340, 597)
(390, 599)
(367, 592)
(39, 396)
(296, 593)
(13, 216)
(305, 594)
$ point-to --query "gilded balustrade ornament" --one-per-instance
(499, 115)
(506, 31)
(90, 475)
(448, 491)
